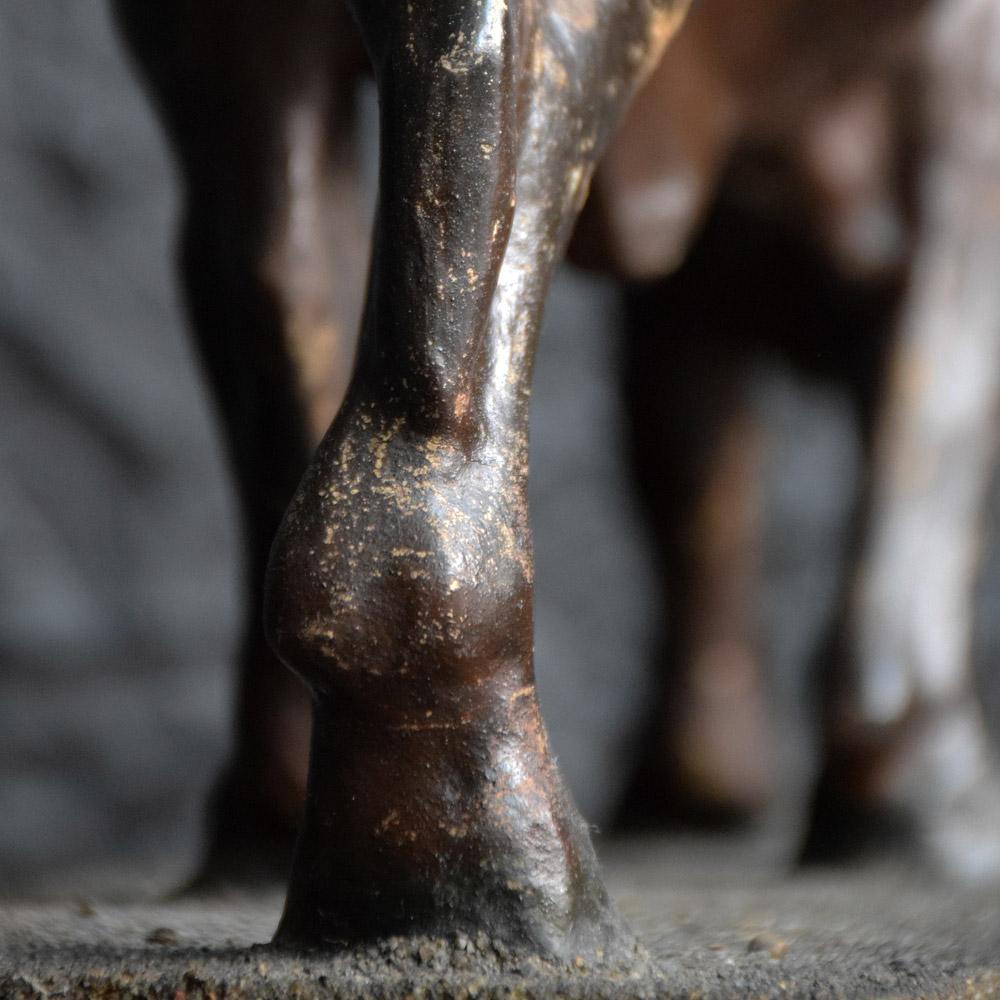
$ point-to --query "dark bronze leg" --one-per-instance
(400, 583)
(256, 101)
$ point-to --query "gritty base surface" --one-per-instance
(716, 925)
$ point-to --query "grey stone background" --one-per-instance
(118, 554)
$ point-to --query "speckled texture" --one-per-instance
(716, 918)
(400, 583)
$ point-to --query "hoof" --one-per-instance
(250, 842)
(928, 798)
(451, 822)
(710, 764)
(661, 796)
(256, 806)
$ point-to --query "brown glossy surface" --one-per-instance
(400, 581)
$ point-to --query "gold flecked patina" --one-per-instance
(400, 583)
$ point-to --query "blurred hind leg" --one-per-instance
(258, 106)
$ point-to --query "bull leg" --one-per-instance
(400, 583)
(257, 105)
(707, 755)
(907, 752)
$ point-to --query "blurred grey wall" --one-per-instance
(117, 549)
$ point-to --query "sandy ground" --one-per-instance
(719, 920)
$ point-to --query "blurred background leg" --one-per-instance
(259, 105)
(909, 765)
